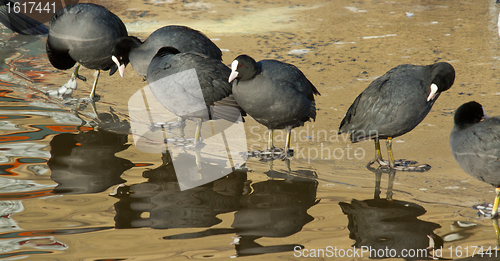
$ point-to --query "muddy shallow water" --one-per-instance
(72, 189)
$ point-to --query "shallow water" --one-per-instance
(75, 186)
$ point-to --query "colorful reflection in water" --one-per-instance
(74, 186)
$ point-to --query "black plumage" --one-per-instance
(475, 145)
(396, 103)
(131, 50)
(84, 34)
(276, 94)
(170, 78)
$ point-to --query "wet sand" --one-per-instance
(341, 47)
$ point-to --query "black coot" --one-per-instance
(395, 103)
(275, 94)
(139, 54)
(475, 145)
(83, 34)
(187, 83)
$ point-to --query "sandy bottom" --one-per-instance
(341, 46)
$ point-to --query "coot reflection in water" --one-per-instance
(276, 208)
(169, 207)
(86, 162)
(272, 208)
(380, 224)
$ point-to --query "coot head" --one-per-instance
(243, 68)
(469, 114)
(443, 77)
(121, 50)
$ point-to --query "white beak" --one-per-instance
(433, 93)
(484, 115)
(234, 73)
(233, 76)
(121, 67)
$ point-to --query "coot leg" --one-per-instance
(497, 230)
(288, 152)
(378, 152)
(378, 155)
(270, 144)
(181, 125)
(198, 161)
(378, 178)
(392, 164)
(197, 136)
(494, 212)
(288, 134)
(96, 78)
(389, 151)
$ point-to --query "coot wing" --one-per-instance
(477, 150)
(212, 74)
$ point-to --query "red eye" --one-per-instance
(241, 65)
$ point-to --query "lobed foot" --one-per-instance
(169, 126)
(485, 210)
(183, 142)
(288, 154)
(64, 91)
(88, 100)
(271, 154)
(401, 165)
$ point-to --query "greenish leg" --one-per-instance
(270, 145)
(96, 76)
(494, 212)
(287, 145)
(197, 136)
(389, 150)
(497, 230)
(75, 71)
(378, 178)
(378, 152)
(181, 125)
(288, 134)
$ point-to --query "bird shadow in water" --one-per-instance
(461, 232)
(271, 208)
(378, 179)
(379, 224)
(86, 163)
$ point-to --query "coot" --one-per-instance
(187, 83)
(395, 103)
(275, 94)
(475, 145)
(130, 49)
(83, 34)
